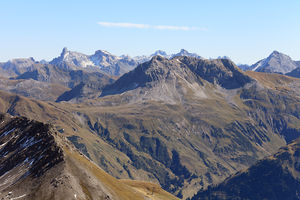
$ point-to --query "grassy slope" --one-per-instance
(121, 189)
(73, 176)
(184, 127)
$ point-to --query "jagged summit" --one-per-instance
(102, 52)
(71, 59)
(64, 51)
(184, 52)
(147, 72)
(276, 62)
(162, 72)
(222, 72)
(160, 52)
(103, 58)
(100, 60)
(275, 52)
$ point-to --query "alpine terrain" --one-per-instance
(185, 123)
(37, 162)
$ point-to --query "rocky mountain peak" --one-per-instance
(183, 51)
(217, 71)
(278, 55)
(103, 58)
(102, 52)
(64, 51)
(64, 54)
(276, 62)
(71, 60)
(158, 58)
(160, 52)
(162, 71)
(100, 61)
(275, 53)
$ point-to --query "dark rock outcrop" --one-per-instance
(27, 142)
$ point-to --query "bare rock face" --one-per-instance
(276, 62)
(30, 143)
(220, 71)
(159, 69)
(16, 66)
(28, 151)
(36, 162)
(101, 60)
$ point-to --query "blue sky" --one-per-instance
(246, 31)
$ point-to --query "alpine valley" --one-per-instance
(149, 127)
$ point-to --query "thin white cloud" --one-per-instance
(181, 28)
(123, 25)
(147, 26)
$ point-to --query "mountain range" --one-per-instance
(105, 62)
(183, 122)
(101, 61)
(82, 76)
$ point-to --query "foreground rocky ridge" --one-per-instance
(38, 163)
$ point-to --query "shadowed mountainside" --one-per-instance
(276, 177)
(37, 162)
